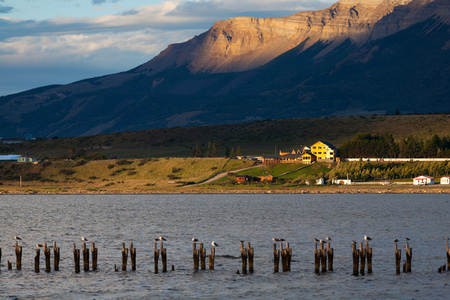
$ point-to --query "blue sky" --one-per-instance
(46, 42)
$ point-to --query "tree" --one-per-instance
(197, 152)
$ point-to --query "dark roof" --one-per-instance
(273, 156)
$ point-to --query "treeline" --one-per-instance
(384, 146)
(366, 171)
(211, 150)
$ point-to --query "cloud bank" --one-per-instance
(54, 48)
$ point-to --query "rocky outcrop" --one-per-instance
(245, 43)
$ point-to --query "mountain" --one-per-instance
(355, 58)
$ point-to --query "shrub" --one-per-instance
(173, 177)
(131, 173)
(123, 162)
(80, 162)
(67, 172)
(176, 170)
(111, 166)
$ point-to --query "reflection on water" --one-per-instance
(110, 220)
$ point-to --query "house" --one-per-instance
(445, 180)
(423, 180)
(308, 158)
(25, 159)
(287, 152)
(342, 181)
(291, 159)
(271, 160)
(265, 178)
(243, 178)
(324, 151)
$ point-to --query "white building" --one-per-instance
(445, 180)
(423, 180)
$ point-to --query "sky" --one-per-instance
(45, 42)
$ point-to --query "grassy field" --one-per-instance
(256, 138)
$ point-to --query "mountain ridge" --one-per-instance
(397, 62)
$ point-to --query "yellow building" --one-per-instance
(323, 151)
(308, 158)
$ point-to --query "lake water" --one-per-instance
(110, 220)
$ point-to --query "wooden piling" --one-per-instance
(163, 258)
(47, 258)
(288, 257)
(124, 257)
(0, 258)
(323, 257)
(243, 257)
(36, 260)
(18, 251)
(94, 252)
(408, 258)
(251, 254)
(362, 255)
(369, 258)
(76, 258)
(330, 254)
(56, 256)
(202, 255)
(355, 253)
(447, 250)
(156, 258)
(276, 259)
(316, 259)
(9, 265)
(85, 257)
(133, 257)
(196, 255)
(398, 258)
(212, 257)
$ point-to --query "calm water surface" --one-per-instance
(110, 220)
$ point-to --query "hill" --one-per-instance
(255, 138)
(358, 57)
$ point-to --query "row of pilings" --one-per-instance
(323, 258)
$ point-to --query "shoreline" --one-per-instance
(232, 190)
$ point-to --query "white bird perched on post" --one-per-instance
(328, 239)
(84, 239)
(17, 238)
(39, 245)
(161, 238)
(367, 238)
(194, 239)
(396, 241)
(214, 244)
(275, 239)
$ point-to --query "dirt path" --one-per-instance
(222, 175)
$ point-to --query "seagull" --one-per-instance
(161, 238)
(155, 240)
(281, 240)
(316, 240)
(396, 241)
(84, 239)
(328, 238)
(367, 238)
(353, 242)
(194, 239)
(406, 239)
(214, 244)
(17, 238)
(275, 239)
(39, 245)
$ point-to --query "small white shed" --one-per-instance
(445, 180)
(423, 180)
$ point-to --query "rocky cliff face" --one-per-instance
(245, 43)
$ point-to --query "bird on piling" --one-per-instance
(161, 238)
(407, 239)
(281, 240)
(84, 239)
(396, 241)
(275, 240)
(39, 245)
(194, 240)
(214, 244)
(328, 239)
(367, 238)
(156, 240)
(17, 238)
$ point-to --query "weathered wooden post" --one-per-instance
(330, 254)
(18, 250)
(284, 257)
(448, 255)
(323, 257)
(85, 257)
(202, 254)
(369, 258)
(36, 260)
(398, 258)
(156, 257)
(316, 259)
(408, 258)
(212, 257)
(276, 258)
(47, 258)
(355, 253)
(133, 257)
(163, 257)
(251, 254)
(243, 257)
(94, 253)
(9, 265)
(124, 257)
(195, 255)
(0, 258)
(362, 255)
(76, 258)
(56, 256)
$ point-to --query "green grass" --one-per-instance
(311, 171)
